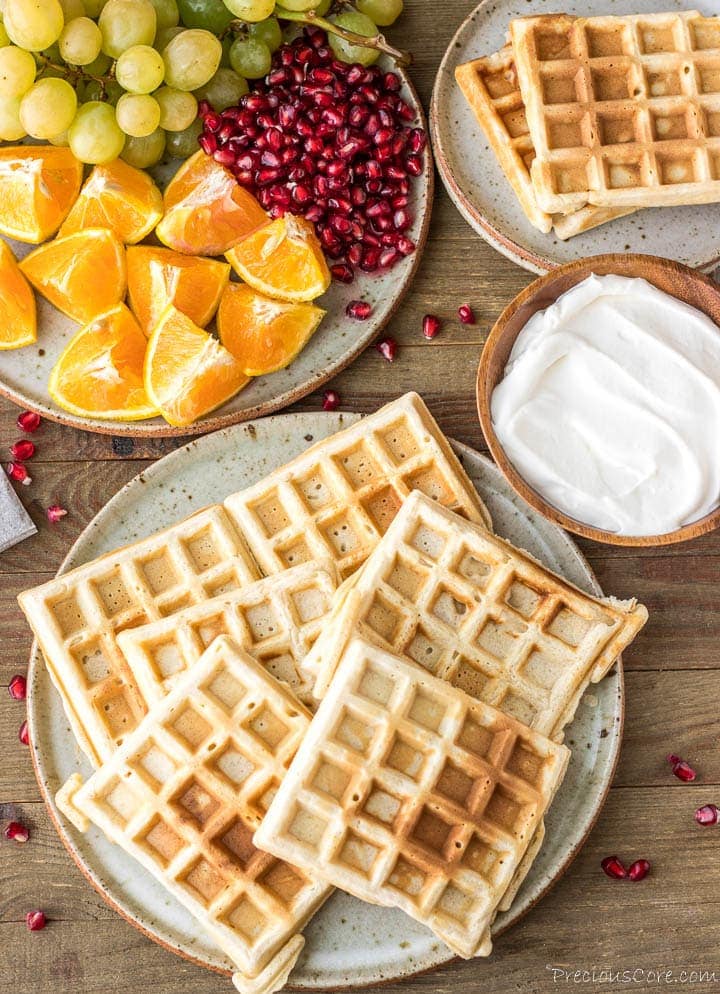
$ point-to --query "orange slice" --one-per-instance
(158, 277)
(83, 274)
(206, 211)
(264, 335)
(187, 372)
(100, 371)
(119, 197)
(17, 304)
(282, 260)
(39, 183)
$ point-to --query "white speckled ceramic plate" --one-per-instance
(483, 196)
(24, 372)
(348, 943)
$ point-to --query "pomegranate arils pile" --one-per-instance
(332, 142)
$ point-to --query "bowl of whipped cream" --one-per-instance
(599, 396)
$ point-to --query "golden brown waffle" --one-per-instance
(490, 86)
(183, 795)
(338, 498)
(623, 111)
(406, 792)
(77, 616)
(275, 620)
(480, 614)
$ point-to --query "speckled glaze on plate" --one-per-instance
(484, 197)
(339, 340)
(348, 943)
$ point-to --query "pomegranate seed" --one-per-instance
(208, 143)
(639, 869)
(23, 734)
(342, 272)
(388, 258)
(16, 832)
(387, 348)
(212, 121)
(414, 165)
(391, 83)
(466, 314)
(17, 472)
(360, 310)
(35, 920)
(613, 868)
(417, 140)
(707, 815)
(681, 769)
(431, 325)
(54, 513)
(28, 421)
(17, 688)
(405, 246)
(331, 400)
(224, 156)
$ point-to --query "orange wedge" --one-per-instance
(83, 274)
(187, 372)
(282, 260)
(100, 371)
(206, 211)
(158, 277)
(17, 304)
(264, 335)
(119, 197)
(39, 183)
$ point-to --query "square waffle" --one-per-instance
(490, 86)
(183, 795)
(406, 792)
(623, 111)
(480, 614)
(275, 620)
(76, 617)
(338, 498)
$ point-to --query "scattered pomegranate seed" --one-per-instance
(708, 814)
(35, 920)
(614, 868)
(17, 688)
(387, 348)
(55, 512)
(639, 869)
(16, 832)
(331, 400)
(681, 769)
(17, 472)
(431, 325)
(22, 449)
(28, 421)
(466, 314)
(360, 310)
(23, 734)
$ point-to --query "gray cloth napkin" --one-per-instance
(15, 522)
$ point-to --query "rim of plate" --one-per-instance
(217, 421)
(35, 659)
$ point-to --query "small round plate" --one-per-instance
(24, 373)
(349, 943)
(482, 194)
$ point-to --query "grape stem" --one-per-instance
(377, 41)
(74, 73)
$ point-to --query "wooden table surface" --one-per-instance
(670, 921)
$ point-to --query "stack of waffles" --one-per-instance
(338, 677)
(592, 118)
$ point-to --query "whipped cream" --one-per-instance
(610, 407)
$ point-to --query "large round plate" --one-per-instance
(348, 943)
(24, 373)
(484, 197)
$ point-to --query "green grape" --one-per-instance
(17, 71)
(98, 66)
(144, 152)
(212, 15)
(251, 10)
(93, 8)
(80, 41)
(182, 144)
(226, 42)
(250, 58)
(33, 25)
(167, 13)
(323, 7)
(94, 135)
(4, 36)
(140, 69)
(94, 90)
(72, 9)
(353, 20)
(11, 130)
(269, 32)
(224, 89)
(382, 12)
(138, 114)
(191, 59)
(125, 23)
(301, 5)
(178, 109)
(48, 108)
(165, 36)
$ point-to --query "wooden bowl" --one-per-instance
(675, 279)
